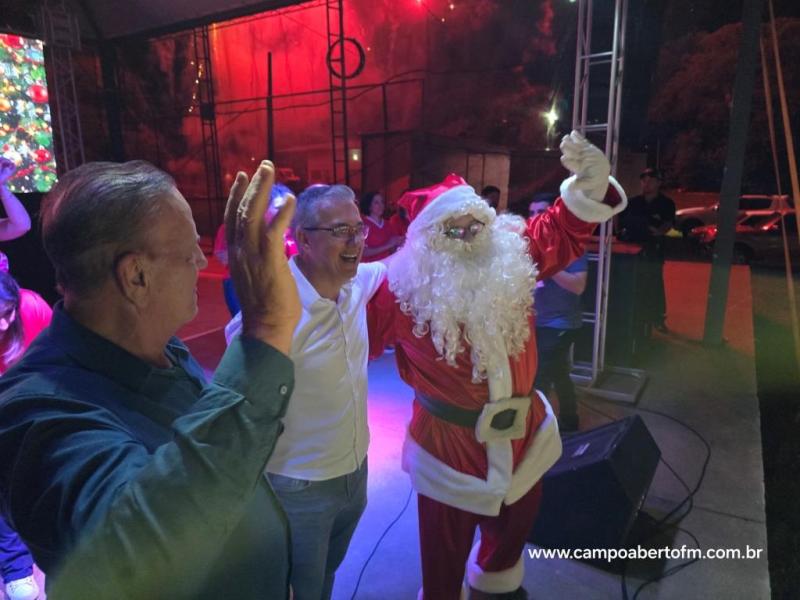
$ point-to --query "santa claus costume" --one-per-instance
(457, 308)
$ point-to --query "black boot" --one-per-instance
(518, 594)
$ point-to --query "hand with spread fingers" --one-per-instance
(588, 163)
(264, 284)
(7, 169)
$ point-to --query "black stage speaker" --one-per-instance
(592, 495)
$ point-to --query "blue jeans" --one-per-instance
(322, 518)
(16, 561)
(553, 347)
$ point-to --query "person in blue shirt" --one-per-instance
(557, 302)
(124, 471)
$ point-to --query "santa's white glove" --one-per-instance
(585, 192)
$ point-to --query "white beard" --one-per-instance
(478, 292)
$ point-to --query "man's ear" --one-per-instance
(301, 237)
(132, 277)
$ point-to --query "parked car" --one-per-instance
(758, 239)
(687, 219)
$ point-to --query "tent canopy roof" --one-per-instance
(115, 19)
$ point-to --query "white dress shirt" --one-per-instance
(326, 433)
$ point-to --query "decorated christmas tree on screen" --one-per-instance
(26, 135)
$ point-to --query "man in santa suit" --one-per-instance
(457, 306)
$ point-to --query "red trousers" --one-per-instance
(446, 534)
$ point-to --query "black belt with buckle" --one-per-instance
(463, 416)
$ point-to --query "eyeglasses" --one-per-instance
(459, 233)
(344, 232)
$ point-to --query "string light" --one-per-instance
(196, 90)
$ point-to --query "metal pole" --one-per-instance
(770, 118)
(612, 151)
(787, 130)
(576, 101)
(345, 132)
(732, 176)
(385, 106)
(604, 263)
(270, 112)
(787, 126)
(586, 67)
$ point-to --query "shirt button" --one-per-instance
(284, 389)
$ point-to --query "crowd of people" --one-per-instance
(129, 475)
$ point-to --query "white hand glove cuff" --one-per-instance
(586, 208)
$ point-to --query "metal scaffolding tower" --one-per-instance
(208, 125)
(596, 114)
(61, 36)
(337, 77)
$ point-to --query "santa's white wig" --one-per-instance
(478, 291)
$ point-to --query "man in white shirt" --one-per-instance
(319, 466)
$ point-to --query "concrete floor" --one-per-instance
(710, 390)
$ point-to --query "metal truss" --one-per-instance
(596, 114)
(59, 29)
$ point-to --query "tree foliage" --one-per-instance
(691, 101)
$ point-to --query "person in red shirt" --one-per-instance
(457, 307)
(383, 239)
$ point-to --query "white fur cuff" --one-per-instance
(493, 582)
(587, 209)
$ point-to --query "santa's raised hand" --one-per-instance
(590, 193)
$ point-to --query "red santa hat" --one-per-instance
(414, 201)
(452, 197)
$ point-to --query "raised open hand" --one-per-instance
(588, 163)
(7, 169)
(264, 283)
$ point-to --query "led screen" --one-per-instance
(26, 135)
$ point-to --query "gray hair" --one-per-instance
(312, 196)
(97, 212)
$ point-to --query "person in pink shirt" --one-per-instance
(23, 315)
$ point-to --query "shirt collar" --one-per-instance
(96, 353)
(308, 293)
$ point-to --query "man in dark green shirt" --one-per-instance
(125, 473)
